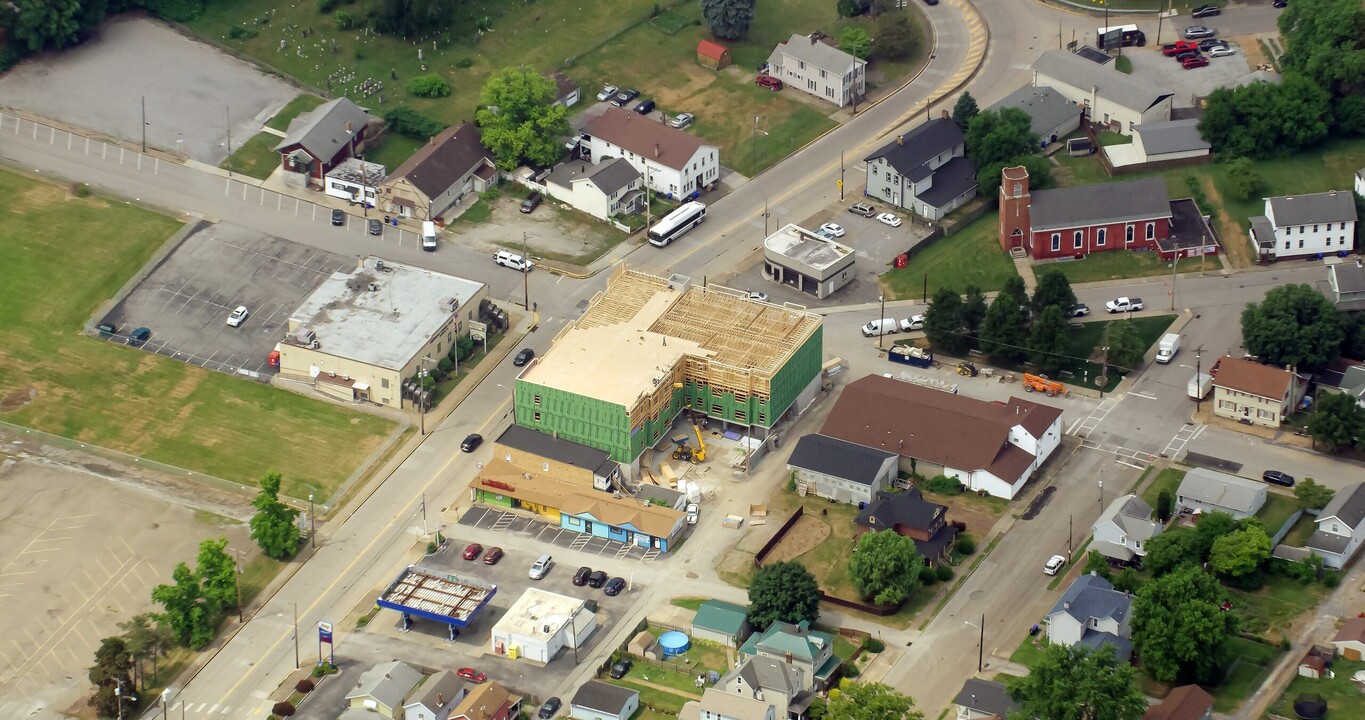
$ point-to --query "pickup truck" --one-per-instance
(1178, 47)
(1123, 304)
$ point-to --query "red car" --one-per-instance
(493, 555)
(1179, 46)
(471, 674)
(473, 551)
(769, 82)
(1194, 62)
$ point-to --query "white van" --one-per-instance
(512, 260)
(884, 326)
(541, 566)
(429, 236)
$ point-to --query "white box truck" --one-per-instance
(884, 326)
(1168, 347)
(1199, 386)
(429, 236)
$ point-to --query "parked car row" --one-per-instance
(598, 579)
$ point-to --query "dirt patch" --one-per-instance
(1236, 247)
(1251, 47)
(804, 536)
(18, 399)
(38, 197)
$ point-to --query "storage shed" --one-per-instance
(713, 55)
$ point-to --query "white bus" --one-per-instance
(1119, 36)
(675, 224)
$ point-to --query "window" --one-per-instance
(1076, 239)
(383, 382)
(1300, 243)
(1315, 228)
(537, 398)
(1099, 237)
(545, 467)
(1151, 230)
(1056, 242)
(801, 64)
(1301, 229)
(1286, 244)
(822, 74)
(1329, 227)
(1128, 238)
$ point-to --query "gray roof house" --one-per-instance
(383, 687)
(1306, 225)
(840, 470)
(1111, 98)
(323, 137)
(1100, 204)
(1211, 491)
(1052, 115)
(811, 650)
(715, 704)
(810, 64)
(771, 680)
(1341, 527)
(440, 694)
(1092, 613)
(979, 699)
(925, 170)
(611, 187)
(450, 166)
(1161, 141)
(1346, 283)
(1123, 528)
(721, 622)
(596, 700)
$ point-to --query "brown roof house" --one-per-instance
(452, 164)
(674, 163)
(908, 513)
(566, 90)
(713, 55)
(986, 446)
(1350, 640)
(1187, 702)
(1255, 394)
(322, 138)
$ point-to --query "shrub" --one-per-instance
(927, 576)
(1165, 505)
(874, 645)
(851, 671)
(348, 21)
(944, 485)
(305, 686)
(323, 668)
(431, 548)
(464, 63)
(490, 194)
(430, 85)
(944, 573)
(966, 545)
(445, 365)
(1331, 578)
(283, 709)
(413, 124)
(80, 190)
(326, 6)
(241, 32)
(791, 482)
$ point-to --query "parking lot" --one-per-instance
(186, 299)
(1151, 66)
(490, 518)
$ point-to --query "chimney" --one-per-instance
(348, 126)
(943, 114)
(789, 658)
(812, 38)
(900, 139)
(440, 699)
(1066, 605)
(360, 262)
(656, 149)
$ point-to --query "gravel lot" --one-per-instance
(1151, 66)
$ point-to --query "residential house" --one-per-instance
(675, 164)
(1051, 116)
(1350, 639)
(1077, 221)
(713, 55)
(488, 701)
(1161, 144)
(1360, 182)
(776, 681)
(1205, 490)
(440, 694)
(1353, 383)
(1092, 613)
(1341, 527)
(597, 700)
(841, 471)
(383, 687)
(323, 137)
(1113, 99)
(1187, 702)
(908, 513)
(1346, 281)
(1305, 226)
(987, 446)
(452, 165)
(925, 170)
(1255, 394)
(811, 652)
(1123, 529)
(716, 704)
(982, 699)
(721, 622)
(813, 65)
(607, 189)
(566, 90)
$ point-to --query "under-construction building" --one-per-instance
(649, 347)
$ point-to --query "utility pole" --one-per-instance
(880, 317)
(237, 582)
(1070, 521)
(1175, 265)
(227, 117)
(1198, 381)
(981, 643)
(525, 273)
(312, 523)
(841, 176)
(765, 217)
(296, 638)
(753, 152)
(424, 514)
(144, 123)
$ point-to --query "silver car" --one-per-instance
(682, 120)
(1198, 32)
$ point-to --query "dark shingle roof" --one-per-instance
(1348, 506)
(1349, 277)
(908, 508)
(608, 177)
(1087, 205)
(1045, 106)
(322, 131)
(987, 697)
(650, 139)
(911, 152)
(1187, 702)
(1091, 596)
(548, 446)
(445, 159)
(1252, 377)
(838, 458)
(1332, 206)
(603, 697)
(951, 179)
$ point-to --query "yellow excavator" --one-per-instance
(687, 453)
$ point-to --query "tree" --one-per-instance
(885, 567)
(1264, 120)
(1353, 323)
(1325, 41)
(1125, 344)
(784, 591)
(1048, 341)
(1014, 287)
(1171, 549)
(273, 527)
(1165, 505)
(413, 18)
(1179, 629)
(728, 19)
(856, 42)
(871, 701)
(1210, 527)
(41, 24)
(1077, 683)
(519, 119)
(1097, 564)
(944, 320)
(1336, 421)
(111, 673)
(1002, 331)
(964, 110)
(1053, 289)
(1244, 180)
(894, 35)
(430, 85)
(1000, 136)
(849, 8)
(185, 610)
(974, 307)
(1313, 495)
(217, 576)
(1039, 174)
(1240, 552)
(1293, 325)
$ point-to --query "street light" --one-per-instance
(312, 523)
(236, 579)
(981, 643)
(881, 299)
(165, 703)
(118, 696)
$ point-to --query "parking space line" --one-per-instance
(68, 517)
(61, 635)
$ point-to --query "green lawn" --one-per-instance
(969, 257)
(1302, 530)
(1168, 479)
(681, 681)
(295, 108)
(1119, 264)
(1270, 611)
(661, 701)
(1343, 697)
(1028, 653)
(1124, 64)
(1085, 339)
(392, 150)
(1108, 138)
(132, 401)
(1248, 672)
(690, 603)
(1276, 511)
(256, 157)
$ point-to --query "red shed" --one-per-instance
(713, 55)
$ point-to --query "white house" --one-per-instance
(1247, 391)
(842, 471)
(597, 700)
(383, 687)
(925, 170)
(1123, 529)
(716, 704)
(354, 179)
(1092, 613)
(609, 188)
(439, 696)
(1111, 98)
(982, 700)
(541, 623)
(1305, 225)
(1350, 640)
(674, 163)
(1341, 527)
(810, 64)
(1211, 491)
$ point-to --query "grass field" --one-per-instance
(1089, 336)
(666, 702)
(392, 150)
(1253, 663)
(295, 108)
(1270, 611)
(1168, 479)
(54, 379)
(969, 257)
(1277, 510)
(1302, 530)
(1123, 264)
(1343, 696)
(256, 157)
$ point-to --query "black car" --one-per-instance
(614, 586)
(1275, 477)
(624, 97)
(523, 357)
(1204, 11)
(596, 579)
(472, 442)
(1211, 43)
(338, 217)
(580, 578)
(619, 669)
(140, 336)
(549, 709)
(1279, 3)
(1182, 57)
(376, 227)
(645, 107)
(531, 202)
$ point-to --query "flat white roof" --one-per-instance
(537, 609)
(387, 326)
(806, 247)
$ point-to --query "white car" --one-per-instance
(607, 92)
(889, 219)
(1054, 565)
(833, 229)
(1222, 51)
(682, 120)
(693, 513)
(513, 260)
(238, 316)
(759, 296)
(914, 322)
